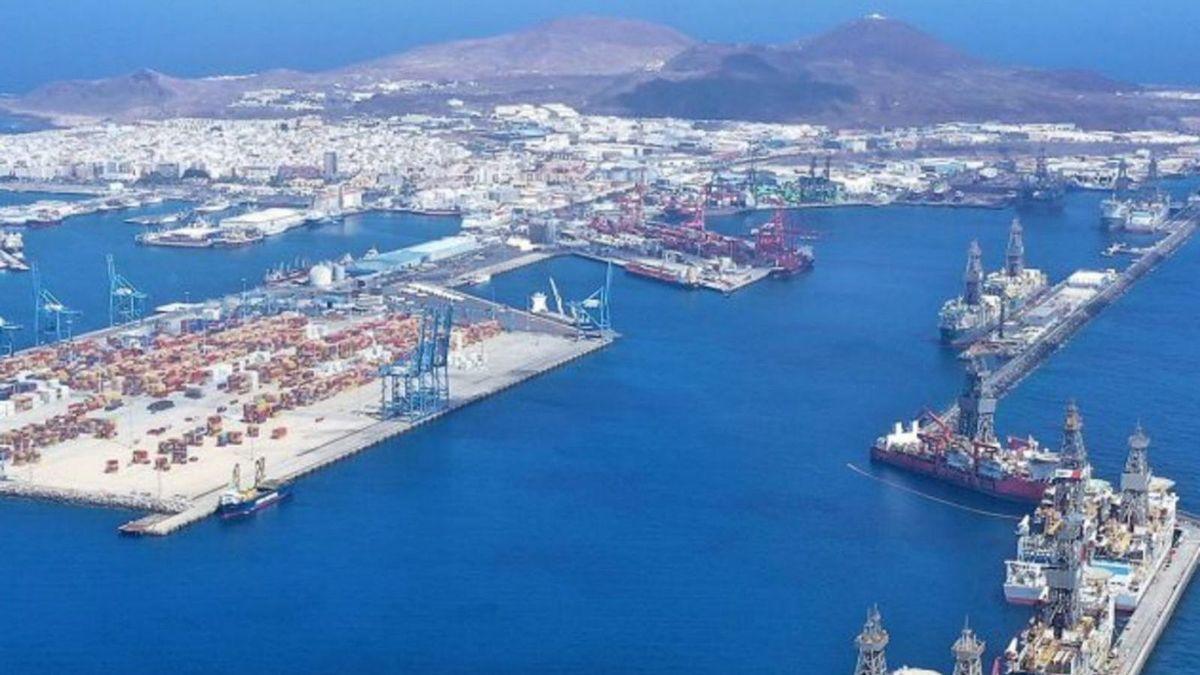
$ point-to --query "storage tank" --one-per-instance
(320, 276)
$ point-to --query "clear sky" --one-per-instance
(44, 40)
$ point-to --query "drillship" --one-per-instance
(1016, 285)
(969, 454)
(1114, 209)
(1072, 633)
(1144, 211)
(973, 313)
(1042, 188)
(1129, 532)
(872, 644)
(986, 302)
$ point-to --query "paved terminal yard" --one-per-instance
(161, 426)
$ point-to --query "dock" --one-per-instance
(1137, 641)
(469, 387)
(726, 284)
(1181, 228)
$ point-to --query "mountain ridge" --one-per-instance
(869, 71)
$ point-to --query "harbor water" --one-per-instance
(680, 501)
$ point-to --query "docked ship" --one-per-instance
(968, 453)
(1148, 212)
(1144, 211)
(295, 272)
(199, 235)
(775, 245)
(1114, 209)
(1072, 632)
(237, 237)
(1129, 532)
(1016, 285)
(237, 502)
(972, 314)
(987, 301)
(678, 275)
(1042, 188)
(12, 251)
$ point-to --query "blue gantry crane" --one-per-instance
(53, 320)
(126, 303)
(418, 385)
(6, 337)
(592, 314)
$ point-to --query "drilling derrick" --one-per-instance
(1064, 571)
(973, 276)
(968, 653)
(1135, 482)
(872, 643)
(977, 406)
(1073, 454)
(1014, 259)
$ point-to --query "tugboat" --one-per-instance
(238, 503)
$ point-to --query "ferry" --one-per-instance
(240, 503)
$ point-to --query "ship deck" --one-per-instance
(1135, 644)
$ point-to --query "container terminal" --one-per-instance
(158, 411)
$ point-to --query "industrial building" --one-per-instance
(268, 221)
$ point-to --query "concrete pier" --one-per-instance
(468, 387)
(1153, 613)
(1181, 228)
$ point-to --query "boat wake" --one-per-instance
(932, 498)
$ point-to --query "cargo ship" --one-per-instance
(293, 273)
(968, 454)
(684, 276)
(239, 503)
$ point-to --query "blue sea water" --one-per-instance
(680, 501)
(71, 261)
